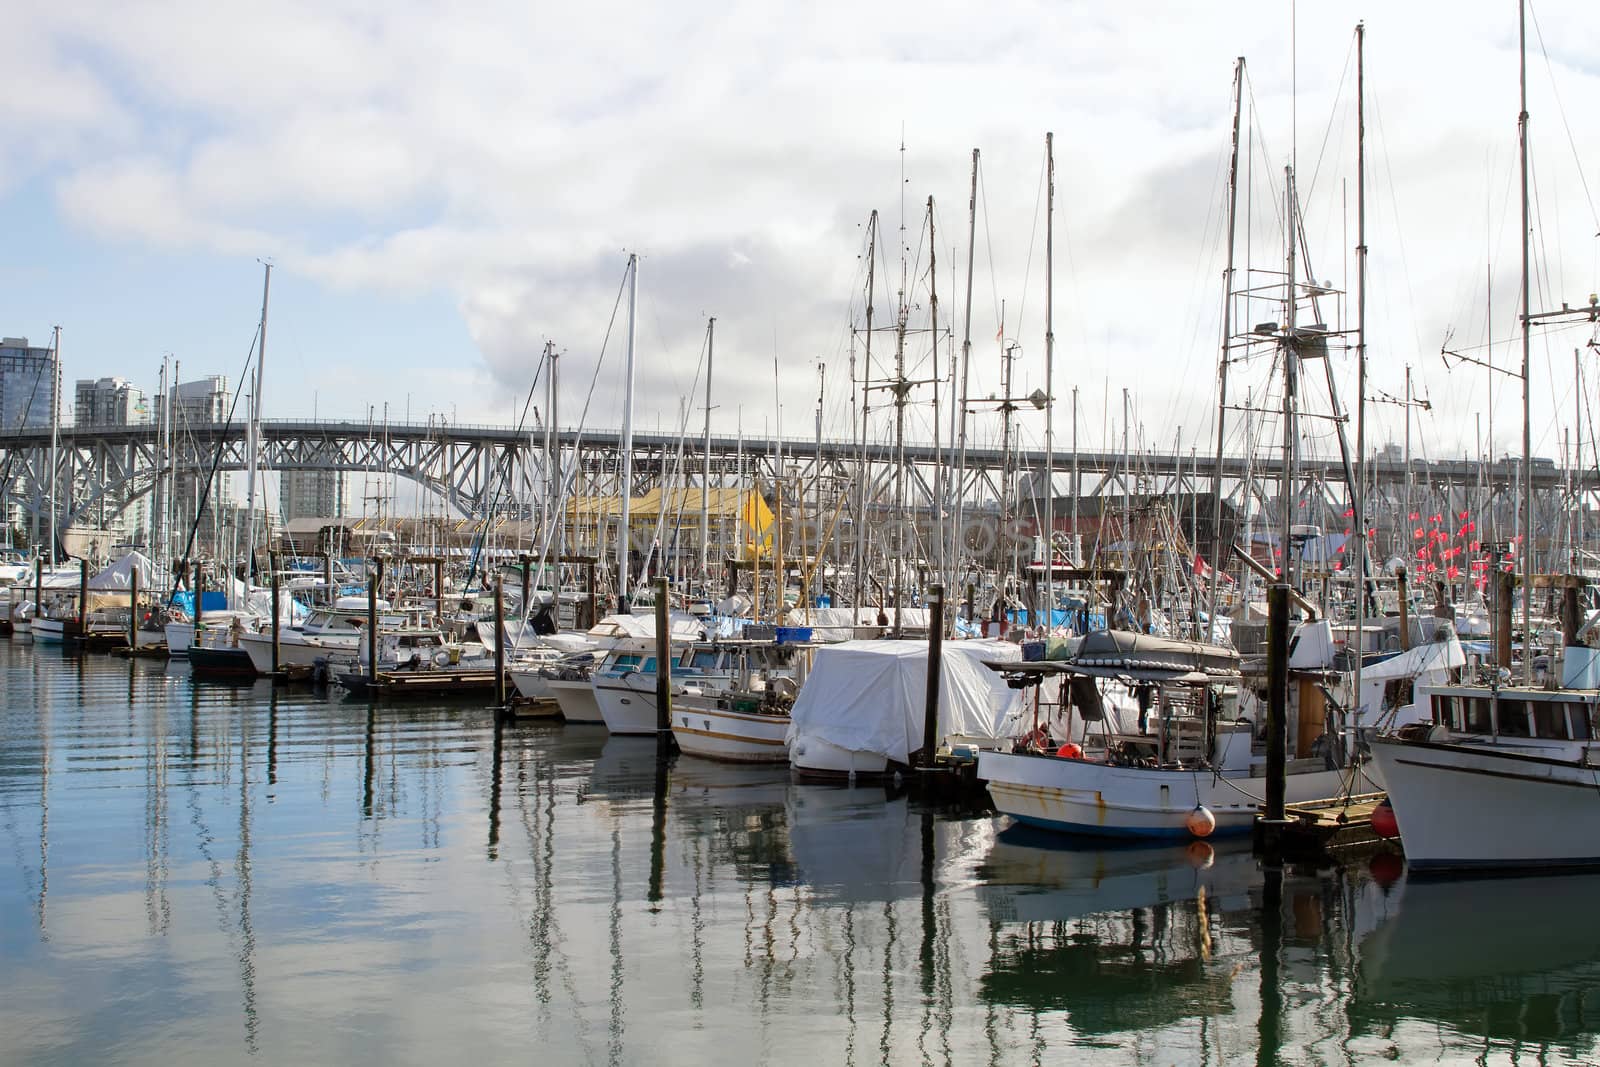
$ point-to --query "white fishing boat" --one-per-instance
(730, 726)
(1500, 776)
(1172, 766)
(334, 631)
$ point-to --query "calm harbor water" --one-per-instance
(199, 873)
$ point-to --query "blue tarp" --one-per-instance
(214, 600)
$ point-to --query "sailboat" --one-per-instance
(217, 652)
(1506, 775)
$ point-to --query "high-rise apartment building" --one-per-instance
(311, 494)
(109, 402)
(28, 380)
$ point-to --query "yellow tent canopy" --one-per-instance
(743, 504)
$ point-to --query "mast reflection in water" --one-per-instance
(227, 873)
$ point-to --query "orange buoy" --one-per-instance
(1200, 822)
(1384, 823)
(1201, 854)
(1070, 750)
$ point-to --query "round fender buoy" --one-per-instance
(1384, 823)
(1200, 822)
(1070, 750)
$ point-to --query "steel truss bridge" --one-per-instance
(101, 471)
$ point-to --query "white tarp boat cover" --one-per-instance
(839, 624)
(684, 627)
(118, 578)
(869, 696)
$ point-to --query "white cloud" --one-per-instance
(511, 154)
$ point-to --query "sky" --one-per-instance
(444, 190)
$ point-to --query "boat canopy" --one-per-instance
(871, 696)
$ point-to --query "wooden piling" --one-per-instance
(1505, 584)
(133, 608)
(1277, 698)
(499, 639)
(930, 710)
(83, 597)
(663, 669)
(372, 629)
(1405, 609)
(272, 564)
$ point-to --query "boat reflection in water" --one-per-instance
(1504, 959)
(1118, 940)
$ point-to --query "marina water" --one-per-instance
(199, 873)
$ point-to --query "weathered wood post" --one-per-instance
(1277, 698)
(372, 630)
(663, 670)
(930, 709)
(272, 565)
(83, 598)
(499, 639)
(133, 609)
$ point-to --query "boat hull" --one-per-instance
(1102, 800)
(704, 730)
(813, 757)
(576, 700)
(531, 685)
(294, 649)
(627, 706)
(1471, 807)
(53, 631)
(220, 662)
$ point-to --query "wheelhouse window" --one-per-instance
(1447, 711)
(704, 660)
(1513, 719)
(1578, 721)
(1550, 719)
(1479, 720)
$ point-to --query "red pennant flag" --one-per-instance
(1415, 516)
(1418, 533)
(1349, 513)
(1464, 514)
(1453, 572)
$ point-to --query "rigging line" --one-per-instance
(988, 241)
(1394, 208)
(1562, 111)
(1209, 242)
(1327, 132)
(216, 461)
(583, 419)
(1033, 240)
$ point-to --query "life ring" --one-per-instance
(1036, 740)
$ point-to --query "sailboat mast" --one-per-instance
(866, 406)
(1291, 215)
(705, 474)
(1525, 527)
(1218, 553)
(253, 431)
(1049, 383)
(624, 541)
(966, 362)
(1358, 490)
(939, 465)
(55, 435)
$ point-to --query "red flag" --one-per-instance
(1418, 533)
(1415, 516)
(1349, 512)
(1453, 572)
(1464, 514)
